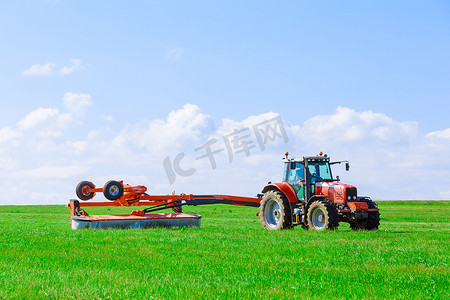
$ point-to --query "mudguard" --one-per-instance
(283, 187)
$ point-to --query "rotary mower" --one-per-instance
(308, 196)
(121, 194)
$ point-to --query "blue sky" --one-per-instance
(78, 77)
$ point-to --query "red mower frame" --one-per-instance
(121, 194)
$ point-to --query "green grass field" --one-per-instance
(229, 256)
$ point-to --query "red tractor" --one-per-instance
(307, 196)
(311, 197)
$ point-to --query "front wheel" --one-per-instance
(322, 215)
(275, 211)
(113, 190)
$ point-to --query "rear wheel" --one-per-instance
(275, 211)
(322, 215)
(373, 218)
(113, 190)
(82, 190)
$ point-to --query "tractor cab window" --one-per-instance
(320, 171)
(295, 175)
(295, 178)
(286, 172)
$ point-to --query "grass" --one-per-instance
(230, 256)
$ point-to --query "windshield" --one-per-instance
(319, 171)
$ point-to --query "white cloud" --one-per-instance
(51, 122)
(48, 69)
(229, 125)
(77, 103)
(79, 147)
(347, 125)
(37, 118)
(186, 125)
(174, 54)
(45, 122)
(40, 70)
(74, 67)
(7, 134)
(8, 164)
(440, 134)
(389, 159)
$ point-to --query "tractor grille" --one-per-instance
(351, 192)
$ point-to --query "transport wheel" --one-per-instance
(275, 211)
(113, 190)
(82, 190)
(373, 218)
(322, 215)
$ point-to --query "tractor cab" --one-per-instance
(302, 173)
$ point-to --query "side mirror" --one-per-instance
(347, 166)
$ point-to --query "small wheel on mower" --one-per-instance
(373, 218)
(82, 190)
(113, 190)
(322, 215)
(275, 211)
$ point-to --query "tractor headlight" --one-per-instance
(349, 197)
(354, 197)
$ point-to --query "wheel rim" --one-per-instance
(318, 218)
(113, 190)
(84, 190)
(272, 213)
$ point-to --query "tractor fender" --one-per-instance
(315, 198)
(284, 188)
(318, 197)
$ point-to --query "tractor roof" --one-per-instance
(307, 158)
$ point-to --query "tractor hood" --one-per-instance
(338, 192)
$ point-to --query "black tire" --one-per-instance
(373, 218)
(81, 190)
(113, 190)
(275, 211)
(322, 215)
